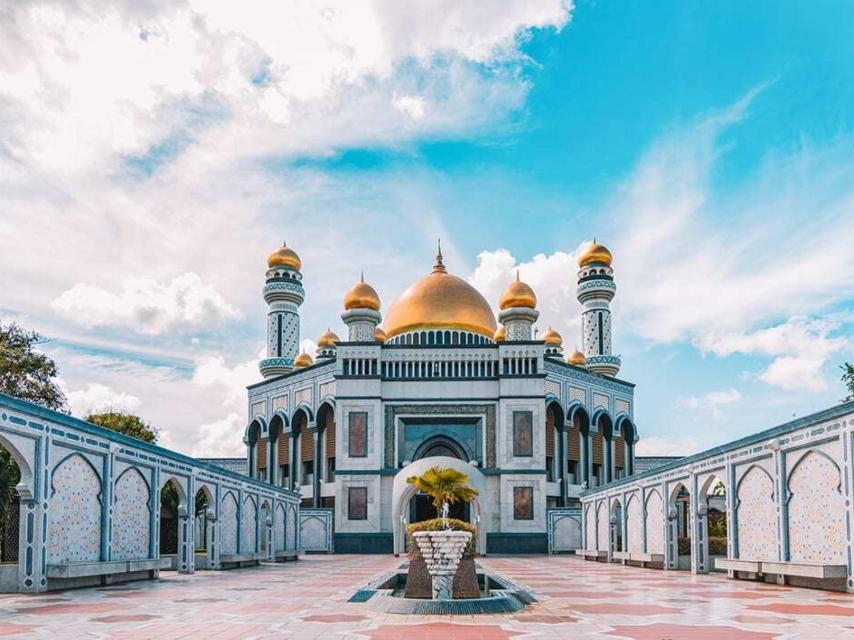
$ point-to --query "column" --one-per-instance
(588, 459)
(644, 516)
(699, 544)
(33, 519)
(315, 436)
(154, 525)
(562, 472)
(782, 491)
(273, 458)
(187, 531)
(847, 441)
(671, 535)
(213, 530)
(106, 502)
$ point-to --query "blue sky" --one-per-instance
(708, 144)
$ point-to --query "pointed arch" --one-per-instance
(131, 529)
(75, 508)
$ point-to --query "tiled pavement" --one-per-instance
(308, 599)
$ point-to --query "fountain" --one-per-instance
(439, 549)
(442, 552)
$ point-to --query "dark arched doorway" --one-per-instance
(421, 506)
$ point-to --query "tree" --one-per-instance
(126, 423)
(444, 486)
(26, 373)
(848, 380)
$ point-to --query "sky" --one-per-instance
(153, 153)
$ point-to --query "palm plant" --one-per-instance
(445, 486)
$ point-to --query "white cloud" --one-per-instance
(711, 400)
(271, 76)
(552, 277)
(800, 347)
(147, 306)
(658, 446)
(98, 398)
(221, 438)
(231, 382)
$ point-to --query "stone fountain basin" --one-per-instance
(498, 595)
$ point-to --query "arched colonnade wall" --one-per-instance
(90, 504)
(789, 505)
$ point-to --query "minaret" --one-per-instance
(518, 311)
(362, 312)
(595, 291)
(284, 294)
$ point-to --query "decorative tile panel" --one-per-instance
(247, 526)
(621, 406)
(280, 533)
(654, 523)
(75, 513)
(228, 519)
(815, 489)
(576, 393)
(131, 517)
(553, 388)
(634, 516)
(600, 400)
(757, 516)
(280, 402)
(327, 389)
(590, 527)
(303, 396)
(259, 409)
(291, 529)
(602, 528)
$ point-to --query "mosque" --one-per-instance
(435, 379)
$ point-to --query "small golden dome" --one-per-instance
(500, 334)
(577, 358)
(595, 253)
(362, 296)
(440, 301)
(552, 338)
(327, 339)
(518, 294)
(284, 256)
(379, 335)
(303, 360)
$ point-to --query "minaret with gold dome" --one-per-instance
(362, 312)
(595, 291)
(518, 311)
(284, 294)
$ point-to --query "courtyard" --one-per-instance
(308, 599)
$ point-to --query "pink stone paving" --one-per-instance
(308, 600)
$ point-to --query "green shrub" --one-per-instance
(717, 546)
(684, 545)
(436, 524)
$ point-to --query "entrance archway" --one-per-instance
(402, 493)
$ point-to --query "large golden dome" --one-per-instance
(284, 256)
(597, 253)
(440, 301)
(362, 296)
(518, 294)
